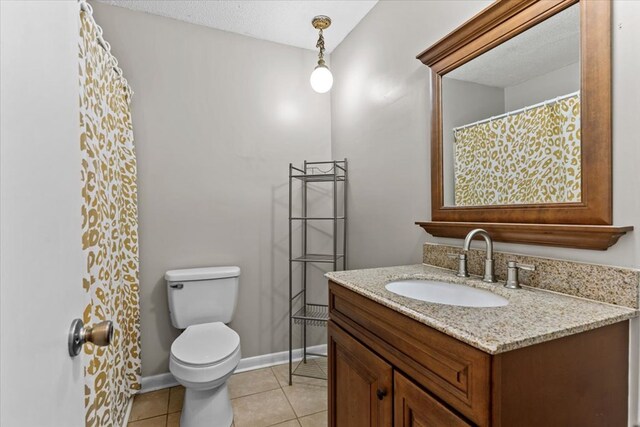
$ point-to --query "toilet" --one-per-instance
(202, 301)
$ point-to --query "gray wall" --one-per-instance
(380, 114)
(381, 118)
(217, 117)
(463, 103)
(547, 86)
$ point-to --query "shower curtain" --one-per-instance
(529, 157)
(109, 228)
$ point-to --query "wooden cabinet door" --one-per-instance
(360, 384)
(414, 407)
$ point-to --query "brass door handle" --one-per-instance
(99, 334)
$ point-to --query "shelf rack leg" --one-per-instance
(290, 283)
(344, 222)
(304, 265)
(335, 216)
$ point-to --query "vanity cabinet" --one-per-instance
(386, 369)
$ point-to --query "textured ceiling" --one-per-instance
(550, 45)
(287, 22)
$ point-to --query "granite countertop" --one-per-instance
(531, 317)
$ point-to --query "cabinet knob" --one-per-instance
(381, 393)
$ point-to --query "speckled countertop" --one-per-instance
(532, 315)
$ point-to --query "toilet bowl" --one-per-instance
(202, 359)
(202, 301)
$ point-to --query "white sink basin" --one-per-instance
(446, 293)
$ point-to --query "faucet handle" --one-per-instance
(528, 267)
(512, 273)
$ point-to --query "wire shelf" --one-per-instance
(334, 170)
(316, 218)
(325, 177)
(317, 258)
(312, 314)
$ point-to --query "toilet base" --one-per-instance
(207, 408)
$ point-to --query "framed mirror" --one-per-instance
(521, 125)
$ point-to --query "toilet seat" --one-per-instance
(204, 356)
(204, 345)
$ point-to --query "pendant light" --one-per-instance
(321, 78)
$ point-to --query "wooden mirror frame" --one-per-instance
(586, 224)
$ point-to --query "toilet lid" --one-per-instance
(205, 344)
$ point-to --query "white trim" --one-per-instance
(127, 413)
(157, 382)
(272, 359)
(166, 380)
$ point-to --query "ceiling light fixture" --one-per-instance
(321, 78)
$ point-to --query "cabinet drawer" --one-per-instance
(454, 371)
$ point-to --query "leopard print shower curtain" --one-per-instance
(109, 228)
(528, 157)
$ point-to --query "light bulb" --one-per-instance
(321, 79)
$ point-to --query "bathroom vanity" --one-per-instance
(544, 359)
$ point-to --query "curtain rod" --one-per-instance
(529, 107)
(86, 7)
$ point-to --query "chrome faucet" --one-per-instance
(489, 275)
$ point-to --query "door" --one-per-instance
(360, 383)
(41, 259)
(414, 407)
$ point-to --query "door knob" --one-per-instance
(99, 334)
(381, 393)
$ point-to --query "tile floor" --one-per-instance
(260, 398)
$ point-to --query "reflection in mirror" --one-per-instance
(511, 120)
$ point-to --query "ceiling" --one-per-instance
(550, 45)
(286, 22)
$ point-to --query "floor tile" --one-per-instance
(173, 420)
(307, 399)
(323, 363)
(176, 397)
(160, 421)
(149, 405)
(290, 423)
(282, 374)
(316, 420)
(252, 382)
(262, 409)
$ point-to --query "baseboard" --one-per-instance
(272, 359)
(127, 413)
(157, 382)
(166, 380)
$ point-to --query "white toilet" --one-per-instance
(203, 357)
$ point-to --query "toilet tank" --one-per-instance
(202, 295)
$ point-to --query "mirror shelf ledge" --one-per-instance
(595, 237)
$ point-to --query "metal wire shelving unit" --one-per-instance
(301, 311)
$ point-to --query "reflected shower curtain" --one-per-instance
(529, 157)
(109, 230)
